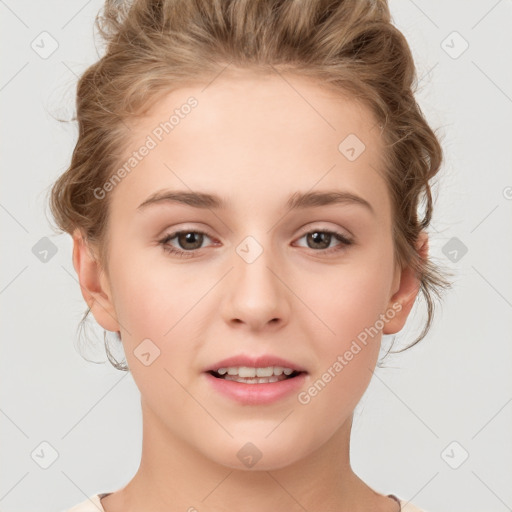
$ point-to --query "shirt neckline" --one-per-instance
(101, 495)
(397, 500)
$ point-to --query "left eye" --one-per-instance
(324, 239)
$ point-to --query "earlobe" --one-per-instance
(93, 283)
(403, 299)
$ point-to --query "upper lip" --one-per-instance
(262, 361)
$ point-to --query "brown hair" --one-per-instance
(154, 46)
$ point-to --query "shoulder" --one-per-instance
(92, 504)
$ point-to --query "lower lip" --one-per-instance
(256, 394)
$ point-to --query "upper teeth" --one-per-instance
(246, 371)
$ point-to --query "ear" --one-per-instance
(93, 283)
(408, 285)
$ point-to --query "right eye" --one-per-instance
(184, 238)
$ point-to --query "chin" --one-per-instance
(261, 455)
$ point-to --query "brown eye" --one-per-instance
(320, 240)
(188, 242)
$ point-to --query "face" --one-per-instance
(315, 284)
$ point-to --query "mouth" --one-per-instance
(262, 385)
(248, 375)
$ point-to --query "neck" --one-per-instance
(174, 476)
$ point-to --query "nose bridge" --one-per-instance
(252, 266)
(257, 295)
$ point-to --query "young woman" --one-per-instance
(243, 200)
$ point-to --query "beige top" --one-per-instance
(93, 504)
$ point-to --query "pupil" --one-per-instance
(317, 238)
(185, 238)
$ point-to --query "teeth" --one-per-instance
(256, 380)
(248, 372)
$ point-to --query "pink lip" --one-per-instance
(263, 361)
(256, 394)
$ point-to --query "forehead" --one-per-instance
(250, 105)
(255, 137)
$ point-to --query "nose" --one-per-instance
(256, 294)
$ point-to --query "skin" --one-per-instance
(255, 141)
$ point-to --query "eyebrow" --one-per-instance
(297, 201)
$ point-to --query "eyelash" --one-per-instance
(345, 242)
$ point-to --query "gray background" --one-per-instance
(454, 387)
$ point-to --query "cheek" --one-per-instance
(352, 299)
(347, 355)
(152, 305)
(161, 303)
(350, 305)
(151, 297)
